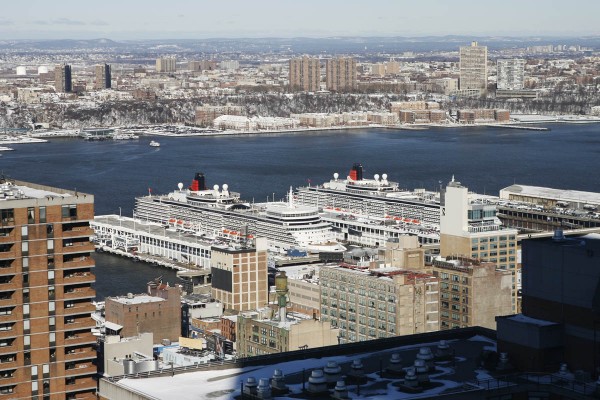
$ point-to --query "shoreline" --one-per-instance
(525, 124)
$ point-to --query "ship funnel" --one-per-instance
(199, 182)
(356, 173)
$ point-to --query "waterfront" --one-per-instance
(258, 166)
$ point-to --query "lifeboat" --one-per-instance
(415, 221)
(172, 220)
(225, 231)
(180, 222)
(397, 219)
(406, 219)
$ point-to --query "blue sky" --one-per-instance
(153, 19)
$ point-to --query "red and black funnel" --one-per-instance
(199, 182)
(356, 173)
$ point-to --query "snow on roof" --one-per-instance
(225, 384)
(137, 299)
(575, 196)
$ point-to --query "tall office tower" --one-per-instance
(305, 74)
(511, 74)
(166, 64)
(103, 77)
(62, 78)
(341, 74)
(239, 276)
(473, 68)
(46, 344)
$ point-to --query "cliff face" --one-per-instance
(133, 112)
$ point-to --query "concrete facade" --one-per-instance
(367, 304)
(473, 67)
(472, 293)
(258, 337)
(239, 276)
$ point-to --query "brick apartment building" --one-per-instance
(46, 347)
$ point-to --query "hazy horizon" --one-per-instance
(180, 19)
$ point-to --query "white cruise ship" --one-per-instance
(370, 211)
(218, 212)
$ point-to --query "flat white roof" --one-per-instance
(137, 299)
(574, 196)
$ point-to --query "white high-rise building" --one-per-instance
(473, 67)
(511, 73)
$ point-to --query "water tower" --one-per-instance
(281, 289)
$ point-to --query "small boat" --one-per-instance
(154, 144)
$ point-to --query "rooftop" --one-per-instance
(574, 196)
(136, 299)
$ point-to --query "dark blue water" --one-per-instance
(484, 159)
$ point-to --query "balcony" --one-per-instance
(78, 262)
(77, 277)
(10, 269)
(86, 368)
(9, 363)
(10, 286)
(81, 384)
(8, 254)
(8, 302)
(84, 396)
(4, 318)
(78, 232)
(78, 247)
(81, 293)
(79, 324)
(84, 308)
(10, 333)
(80, 338)
(7, 237)
(86, 353)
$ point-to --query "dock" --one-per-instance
(520, 127)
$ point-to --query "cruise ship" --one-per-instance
(370, 211)
(219, 212)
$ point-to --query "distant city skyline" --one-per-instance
(181, 19)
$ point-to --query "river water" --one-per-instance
(265, 166)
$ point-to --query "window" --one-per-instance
(24, 232)
(7, 216)
(51, 306)
(27, 340)
(42, 214)
(30, 215)
(50, 244)
(25, 248)
(69, 211)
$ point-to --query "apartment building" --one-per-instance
(239, 276)
(367, 304)
(510, 74)
(341, 74)
(205, 115)
(46, 345)
(469, 228)
(305, 74)
(473, 68)
(103, 77)
(472, 293)
(166, 64)
(63, 82)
